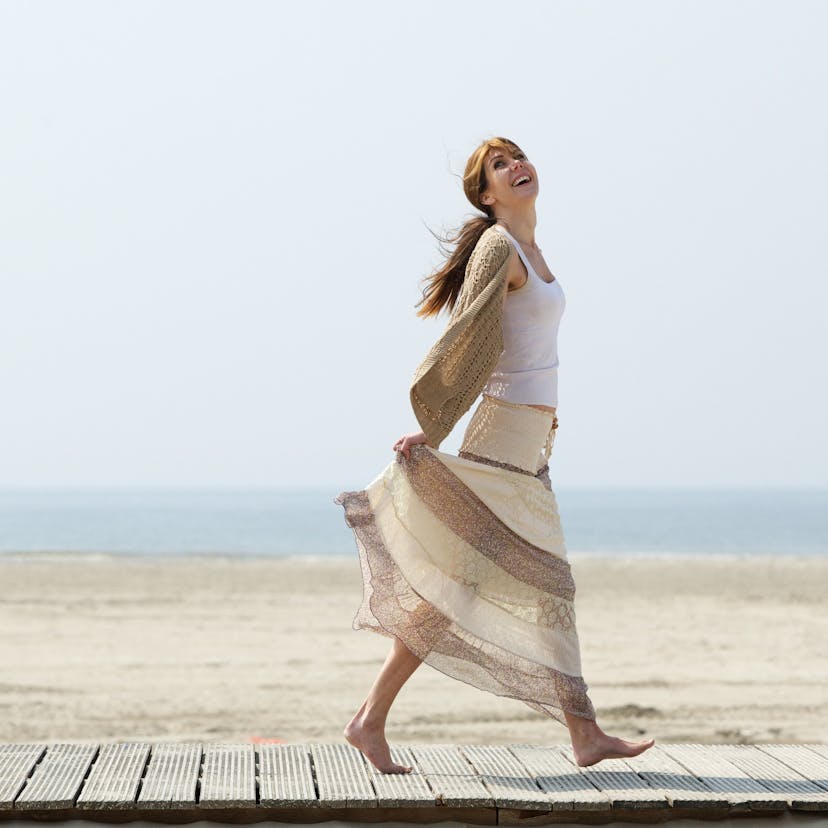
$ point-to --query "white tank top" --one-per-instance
(527, 371)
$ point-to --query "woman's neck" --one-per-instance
(521, 225)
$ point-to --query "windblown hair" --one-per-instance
(443, 286)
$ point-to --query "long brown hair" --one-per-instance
(443, 286)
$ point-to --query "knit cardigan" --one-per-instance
(460, 363)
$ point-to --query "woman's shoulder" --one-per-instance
(492, 249)
(492, 237)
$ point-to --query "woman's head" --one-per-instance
(492, 173)
(494, 183)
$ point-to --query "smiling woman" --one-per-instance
(463, 557)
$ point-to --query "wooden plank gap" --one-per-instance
(143, 774)
(257, 794)
(86, 776)
(201, 762)
(313, 772)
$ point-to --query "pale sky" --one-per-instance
(214, 226)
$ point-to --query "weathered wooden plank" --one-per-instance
(566, 787)
(722, 776)
(525, 783)
(228, 776)
(342, 777)
(807, 762)
(624, 787)
(171, 778)
(450, 776)
(799, 792)
(57, 780)
(115, 777)
(822, 750)
(401, 790)
(510, 783)
(665, 774)
(16, 763)
(286, 777)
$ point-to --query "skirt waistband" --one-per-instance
(510, 435)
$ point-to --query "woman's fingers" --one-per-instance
(404, 444)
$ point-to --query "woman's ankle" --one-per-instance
(581, 728)
(369, 719)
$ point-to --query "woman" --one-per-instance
(463, 559)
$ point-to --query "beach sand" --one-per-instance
(114, 648)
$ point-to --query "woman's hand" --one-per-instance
(407, 440)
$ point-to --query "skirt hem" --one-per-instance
(392, 608)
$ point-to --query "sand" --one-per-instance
(109, 648)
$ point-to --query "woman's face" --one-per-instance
(510, 178)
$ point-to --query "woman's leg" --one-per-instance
(590, 744)
(366, 730)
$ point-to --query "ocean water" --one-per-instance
(278, 522)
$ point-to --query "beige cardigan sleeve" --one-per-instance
(460, 363)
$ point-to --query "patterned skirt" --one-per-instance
(463, 559)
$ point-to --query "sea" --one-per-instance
(307, 523)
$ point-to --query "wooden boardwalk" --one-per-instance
(516, 784)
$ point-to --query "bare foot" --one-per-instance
(371, 741)
(601, 746)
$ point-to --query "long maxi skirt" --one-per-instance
(463, 559)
